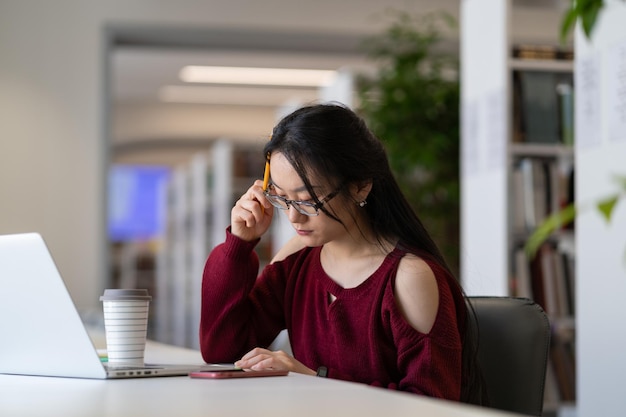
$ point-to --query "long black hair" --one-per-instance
(333, 141)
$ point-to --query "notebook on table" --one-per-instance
(41, 331)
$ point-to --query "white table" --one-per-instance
(294, 396)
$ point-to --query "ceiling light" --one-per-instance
(222, 95)
(257, 76)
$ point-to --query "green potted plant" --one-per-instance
(412, 104)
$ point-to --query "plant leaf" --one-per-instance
(567, 23)
(589, 14)
(606, 206)
(544, 230)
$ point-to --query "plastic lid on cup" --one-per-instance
(125, 295)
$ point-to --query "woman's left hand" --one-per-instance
(258, 359)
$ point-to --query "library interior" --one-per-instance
(126, 148)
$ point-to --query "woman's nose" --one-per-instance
(294, 215)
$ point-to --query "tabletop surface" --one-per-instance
(292, 395)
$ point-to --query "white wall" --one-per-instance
(600, 247)
(51, 150)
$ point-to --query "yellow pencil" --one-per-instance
(266, 174)
(266, 177)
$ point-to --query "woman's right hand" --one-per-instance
(252, 214)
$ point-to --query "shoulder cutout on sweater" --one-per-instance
(417, 293)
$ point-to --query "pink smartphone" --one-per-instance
(236, 374)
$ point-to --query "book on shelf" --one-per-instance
(547, 279)
(522, 284)
(540, 186)
(543, 107)
(557, 281)
(568, 271)
(539, 107)
(532, 193)
(551, 393)
(563, 363)
(542, 52)
(518, 209)
(565, 92)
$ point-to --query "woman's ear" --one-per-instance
(361, 190)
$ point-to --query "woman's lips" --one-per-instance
(303, 232)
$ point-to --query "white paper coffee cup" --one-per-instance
(126, 325)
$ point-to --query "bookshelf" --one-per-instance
(518, 159)
(541, 182)
(197, 198)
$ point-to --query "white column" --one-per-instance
(601, 246)
(484, 222)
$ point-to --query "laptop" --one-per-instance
(41, 332)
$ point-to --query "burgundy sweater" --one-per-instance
(361, 336)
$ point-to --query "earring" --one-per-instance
(362, 203)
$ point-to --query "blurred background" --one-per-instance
(182, 152)
(129, 169)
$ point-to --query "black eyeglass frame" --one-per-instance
(276, 200)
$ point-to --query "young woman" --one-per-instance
(362, 290)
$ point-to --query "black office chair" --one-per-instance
(513, 348)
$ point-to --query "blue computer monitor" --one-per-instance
(137, 202)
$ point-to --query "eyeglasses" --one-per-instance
(303, 207)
